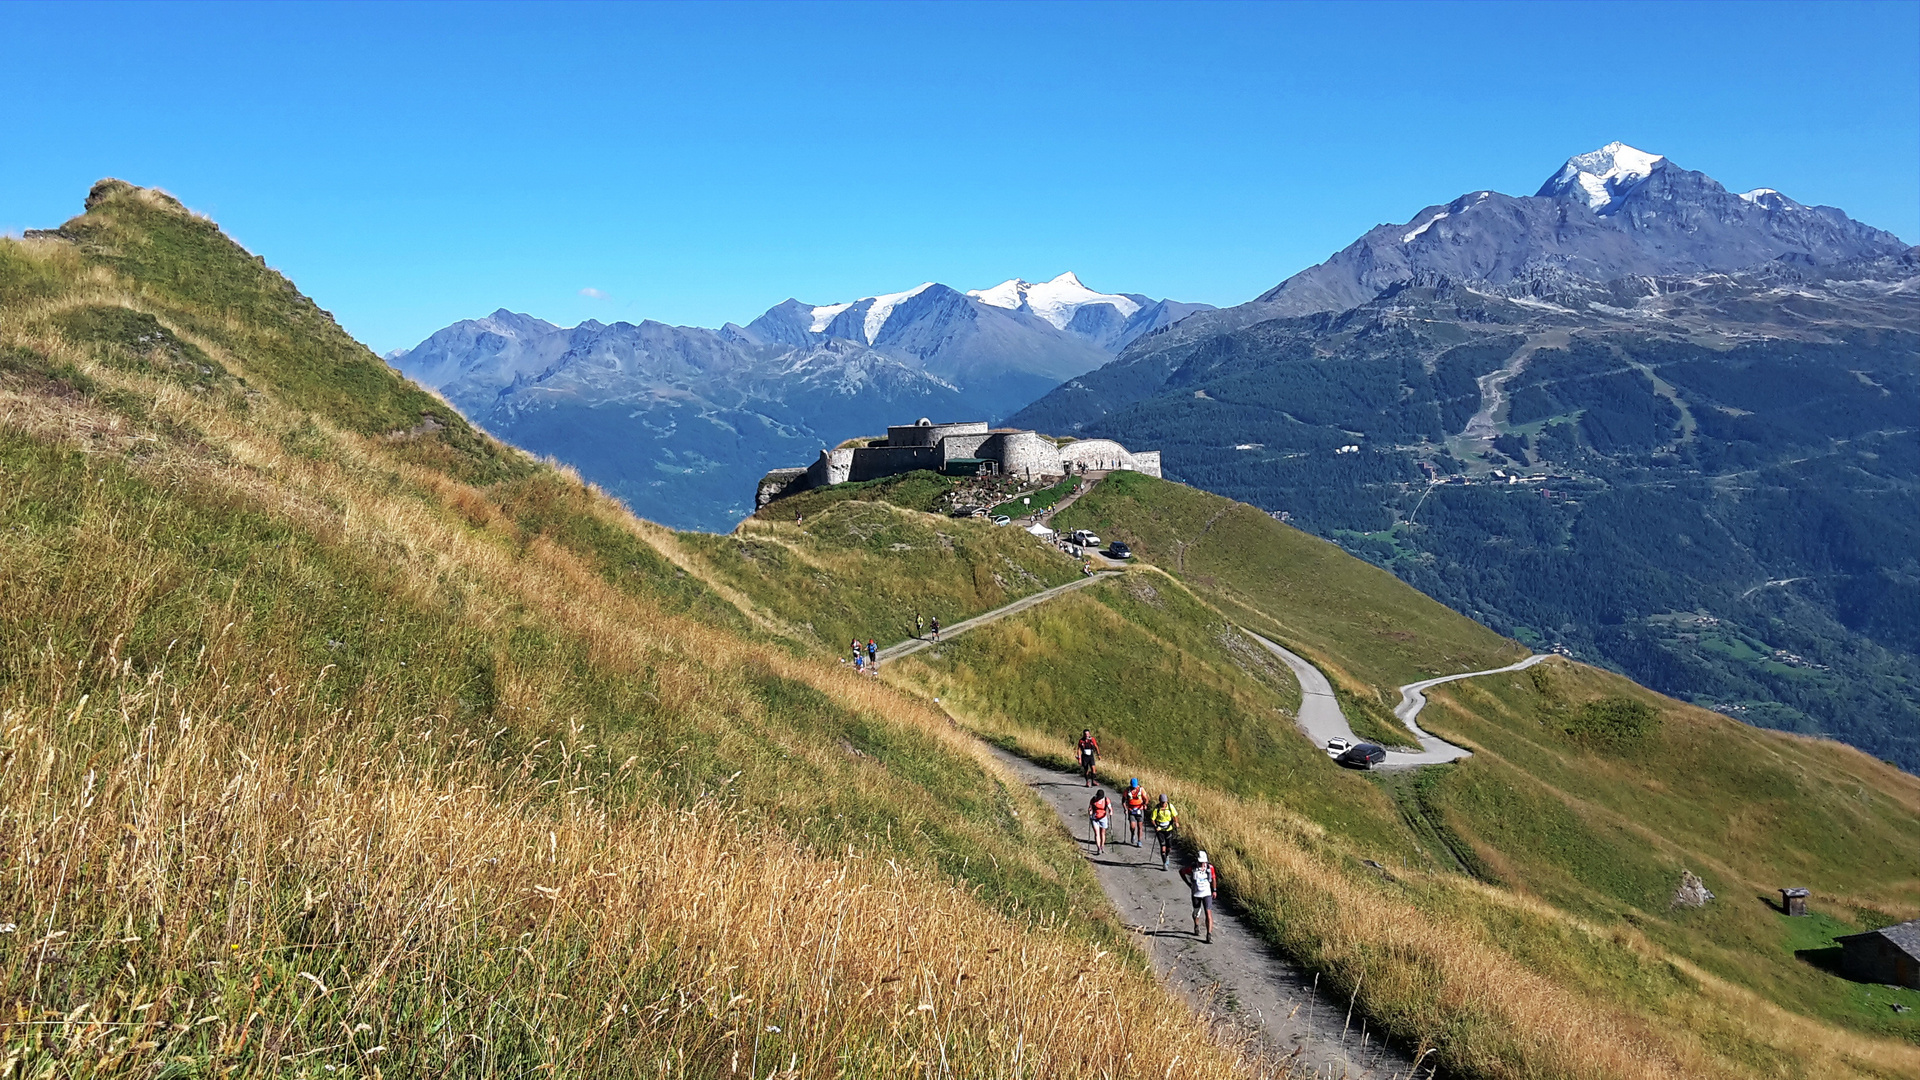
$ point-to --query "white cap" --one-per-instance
(1203, 856)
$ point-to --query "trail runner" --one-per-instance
(1099, 810)
(1205, 885)
(1164, 819)
(1135, 800)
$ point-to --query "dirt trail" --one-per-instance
(914, 645)
(1237, 981)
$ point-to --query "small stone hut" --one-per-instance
(1889, 955)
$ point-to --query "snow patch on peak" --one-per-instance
(1408, 238)
(1055, 301)
(823, 315)
(1603, 176)
(1766, 198)
(883, 306)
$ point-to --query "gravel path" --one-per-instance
(1237, 981)
(914, 645)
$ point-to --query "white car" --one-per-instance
(1338, 746)
(1084, 538)
(1002, 519)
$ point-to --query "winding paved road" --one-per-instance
(1321, 718)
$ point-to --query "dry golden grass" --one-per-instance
(211, 867)
(1429, 955)
(241, 898)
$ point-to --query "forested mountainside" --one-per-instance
(679, 422)
(1709, 480)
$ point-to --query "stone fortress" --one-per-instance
(962, 449)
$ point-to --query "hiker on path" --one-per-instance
(1089, 750)
(919, 625)
(1135, 800)
(873, 654)
(936, 628)
(1099, 812)
(1205, 885)
(855, 646)
(1164, 819)
(859, 664)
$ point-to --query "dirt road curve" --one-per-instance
(913, 645)
(1237, 980)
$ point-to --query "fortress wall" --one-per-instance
(963, 445)
(832, 468)
(930, 435)
(1097, 454)
(874, 462)
(1147, 461)
(1023, 453)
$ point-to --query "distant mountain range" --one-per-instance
(680, 421)
(1703, 406)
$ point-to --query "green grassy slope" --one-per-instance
(863, 568)
(1365, 628)
(1557, 803)
(337, 741)
(1168, 684)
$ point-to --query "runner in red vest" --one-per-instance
(1089, 749)
(1099, 811)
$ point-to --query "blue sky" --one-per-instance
(413, 165)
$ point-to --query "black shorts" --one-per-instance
(1086, 762)
(1202, 903)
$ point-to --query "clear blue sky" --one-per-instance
(413, 165)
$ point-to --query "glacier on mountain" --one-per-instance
(1056, 301)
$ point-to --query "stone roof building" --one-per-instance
(965, 448)
(1889, 955)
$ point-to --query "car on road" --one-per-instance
(1337, 746)
(1084, 538)
(1118, 550)
(1002, 519)
(1362, 756)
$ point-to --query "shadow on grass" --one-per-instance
(1826, 959)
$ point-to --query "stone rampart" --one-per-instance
(1024, 453)
(833, 468)
(874, 462)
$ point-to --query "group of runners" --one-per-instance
(1144, 813)
(866, 658)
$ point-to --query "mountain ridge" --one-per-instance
(679, 422)
(1755, 397)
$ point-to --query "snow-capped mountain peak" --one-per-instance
(883, 306)
(1604, 176)
(1055, 301)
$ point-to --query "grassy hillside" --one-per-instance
(1514, 912)
(863, 568)
(338, 739)
(1586, 798)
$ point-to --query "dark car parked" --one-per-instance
(1118, 550)
(1362, 756)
